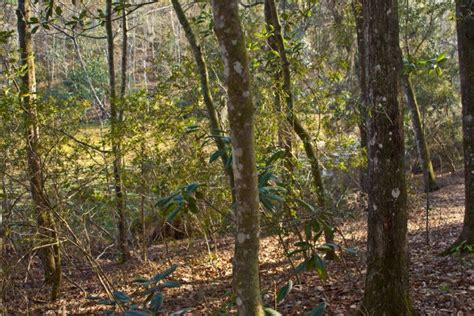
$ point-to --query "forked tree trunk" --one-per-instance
(115, 120)
(387, 288)
(420, 139)
(49, 252)
(201, 66)
(241, 118)
(465, 27)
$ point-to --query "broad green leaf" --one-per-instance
(170, 284)
(171, 216)
(318, 310)
(215, 155)
(156, 302)
(121, 297)
(141, 280)
(284, 291)
(160, 276)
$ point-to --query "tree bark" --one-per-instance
(49, 252)
(115, 120)
(241, 118)
(421, 144)
(201, 66)
(465, 27)
(362, 106)
(387, 287)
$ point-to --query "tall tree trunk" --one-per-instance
(421, 145)
(387, 287)
(241, 118)
(201, 66)
(50, 252)
(465, 27)
(277, 43)
(115, 120)
(362, 106)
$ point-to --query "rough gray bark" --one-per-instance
(421, 144)
(241, 118)
(387, 287)
(50, 255)
(465, 27)
(115, 120)
(201, 66)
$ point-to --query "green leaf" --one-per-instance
(284, 291)
(121, 297)
(307, 205)
(320, 267)
(191, 188)
(276, 156)
(318, 310)
(192, 205)
(271, 312)
(308, 231)
(302, 244)
(215, 155)
(156, 302)
(301, 267)
(105, 302)
(171, 216)
(141, 280)
(170, 284)
(441, 57)
(166, 273)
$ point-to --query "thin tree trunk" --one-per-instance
(49, 252)
(276, 42)
(115, 121)
(205, 91)
(357, 10)
(465, 27)
(387, 287)
(421, 145)
(241, 118)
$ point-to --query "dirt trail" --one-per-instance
(440, 285)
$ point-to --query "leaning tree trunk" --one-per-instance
(277, 43)
(205, 91)
(421, 144)
(465, 27)
(115, 120)
(241, 118)
(49, 252)
(387, 288)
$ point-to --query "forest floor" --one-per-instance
(439, 285)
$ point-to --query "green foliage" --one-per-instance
(148, 300)
(184, 199)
